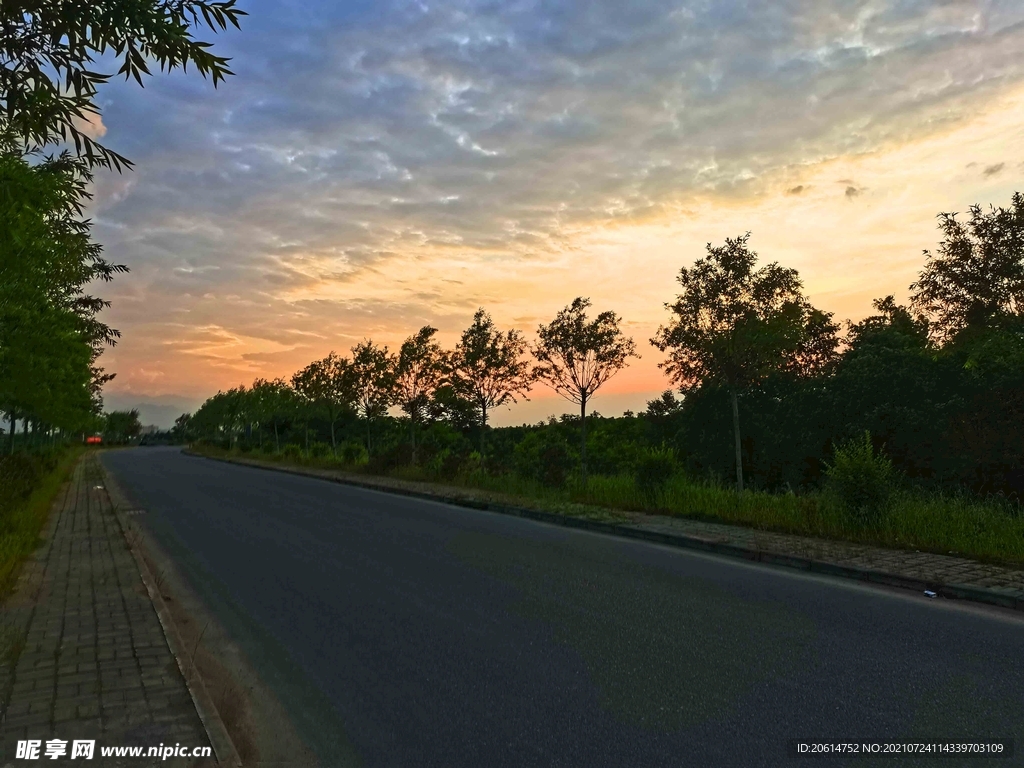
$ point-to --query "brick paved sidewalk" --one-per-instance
(94, 662)
(954, 577)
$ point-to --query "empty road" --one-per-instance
(400, 632)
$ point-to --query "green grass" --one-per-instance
(22, 523)
(928, 522)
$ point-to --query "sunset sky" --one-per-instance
(374, 167)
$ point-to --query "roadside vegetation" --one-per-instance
(31, 481)
(51, 333)
(903, 429)
(915, 519)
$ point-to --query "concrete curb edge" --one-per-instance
(949, 591)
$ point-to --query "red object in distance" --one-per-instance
(93, 440)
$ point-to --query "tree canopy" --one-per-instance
(48, 53)
(50, 334)
(977, 275)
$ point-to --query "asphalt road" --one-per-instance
(399, 632)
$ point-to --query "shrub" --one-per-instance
(654, 468)
(320, 450)
(472, 464)
(389, 459)
(862, 480)
(20, 473)
(543, 457)
(447, 464)
(352, 452)
(292, 451)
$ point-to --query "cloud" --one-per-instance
(362, 153)
(91, 125)
(992, 170)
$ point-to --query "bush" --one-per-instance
(543, 457)
(292, 451)
(389, 459)
(447, 464)
(320, 450)
(654, 468)
(21, 473)
(862, 480)
(352, 452)
(472, 464)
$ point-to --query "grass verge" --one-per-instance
(954, 525)
(22, 524)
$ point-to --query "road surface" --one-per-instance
(401, 632)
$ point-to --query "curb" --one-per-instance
(683, 541)
(220, 739)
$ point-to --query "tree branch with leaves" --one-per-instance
(48, 86)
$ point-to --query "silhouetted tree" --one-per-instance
(373, 380)
(576, 356)
(418, 373)
(735, 325)
(489, 368)
(183, 429)
(274, 402)
(121, 426)
(327, 386)
(977, 276)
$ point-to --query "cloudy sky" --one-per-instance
(374, 167)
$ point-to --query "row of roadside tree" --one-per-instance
(50, 71)
(770, 384)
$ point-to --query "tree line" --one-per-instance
(769, 383)
(487, 368)
(51, 57)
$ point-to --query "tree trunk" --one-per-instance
(412, 436)
(583, 440)
(739, 444)
(277, 441)
(10, 438)
(483, 427)
(369, 436)
(334, 444)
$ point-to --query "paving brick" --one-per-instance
(95, 662)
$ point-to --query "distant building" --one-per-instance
(149, 429)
